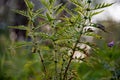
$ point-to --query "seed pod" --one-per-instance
(100, 26)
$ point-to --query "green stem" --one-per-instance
(31, 25)
(71, 57)
(74, 49)
(63, 61)
(42, 61)
(55, 61)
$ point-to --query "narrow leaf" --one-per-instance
(19, 27)
(24, 13)
(43, 35)
(95, 13)
(29, 4)
(49, 17)
(22, 43)
(45, 3)
(102, 5)
(37, 13)
(57, 7)
(93, 35)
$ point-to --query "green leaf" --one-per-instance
(77, 3)
(24, 13)
(21, 27)
(45, 3)
(29, 4)
(102, 5)
(66, 33)
(95, 13)
(64, 43)
(52, 2)
(37, 13)
(22, 43)
(94, 35)
(49, 17)
(42, 47)
(80, 10)
(57, 7)
(43, 35)
(69, 12)
(67, 20)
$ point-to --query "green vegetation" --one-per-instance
(46, 55)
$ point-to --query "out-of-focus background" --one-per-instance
(110, 18)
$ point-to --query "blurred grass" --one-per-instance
(19, 64)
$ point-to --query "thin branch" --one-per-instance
(42, 61)
(71, 57)
(55, 61)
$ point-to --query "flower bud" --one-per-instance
(111, 44)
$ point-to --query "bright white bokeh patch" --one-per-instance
(112, 12)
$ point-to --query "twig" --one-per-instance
(55, 61)
(42, 61)
(71, 57)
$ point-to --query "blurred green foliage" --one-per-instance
(103, 64)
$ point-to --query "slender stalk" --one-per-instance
(31, 25)
(74, 48)
(55, 61)
(61, 73)
(42, 61)
(55, 57)
(71, 57)
(34, 40)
